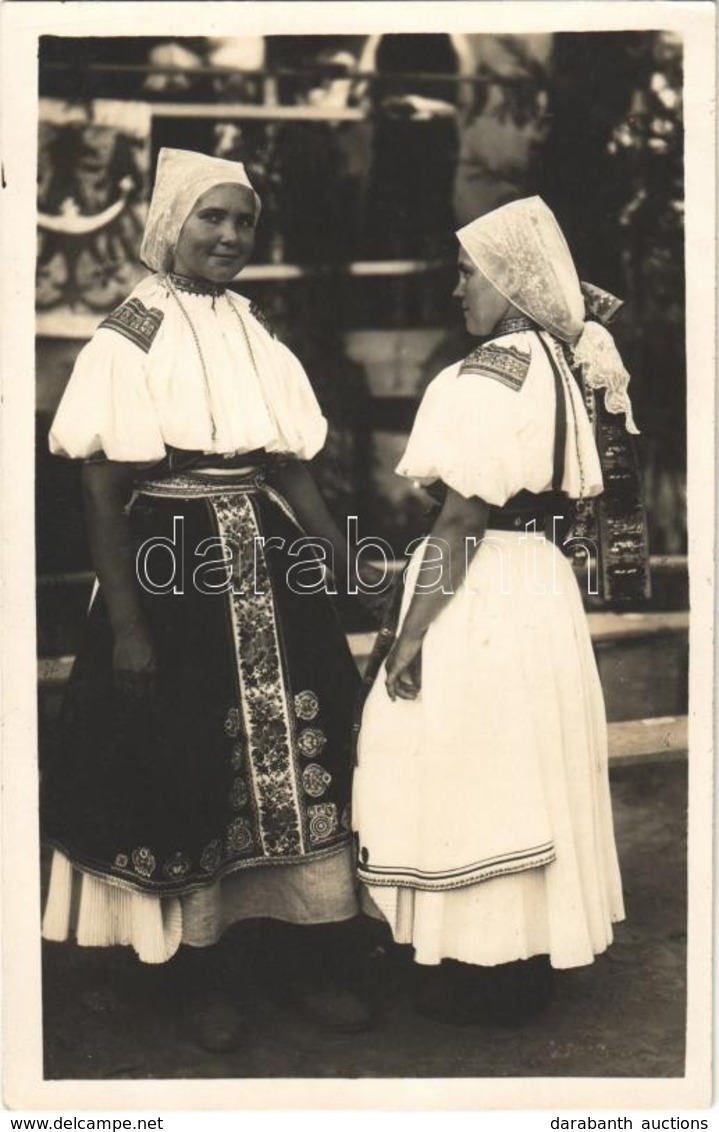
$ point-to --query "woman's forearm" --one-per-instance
(294, 480)
(456, 534)
(458, 542)
(111, 546)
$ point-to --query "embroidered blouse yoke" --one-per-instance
(485, 426)
(189, 370)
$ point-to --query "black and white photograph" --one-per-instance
(358, 585)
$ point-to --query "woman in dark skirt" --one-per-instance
(203, 776)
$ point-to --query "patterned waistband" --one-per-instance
(523, 521)
(184, 485)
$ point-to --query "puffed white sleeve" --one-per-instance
(302, 425)
(301, 428)
(469, 433)
(107, 407)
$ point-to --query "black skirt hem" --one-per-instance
(167, 888)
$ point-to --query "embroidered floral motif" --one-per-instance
(122, 861)
(239, 835)
(176, 866)
(265, 710)
(312, 742)
(322, 821)
(143, 861)
(211, 856)
(315, 780)
(232, 723)
(584, 521)
(306, 705)
(346, 818)
(135, 321)
(506, 364)
(239, 794)
(237, 756)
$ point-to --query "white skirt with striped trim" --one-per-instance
(482, 807)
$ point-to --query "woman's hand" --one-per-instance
(403, 668)
(134, 663)
(458, 520)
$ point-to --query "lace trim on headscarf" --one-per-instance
(521, 250)
(611, 528)
(597, 357)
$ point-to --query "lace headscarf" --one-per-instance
(182, 178)
(521, 250)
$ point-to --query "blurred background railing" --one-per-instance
(368, 153)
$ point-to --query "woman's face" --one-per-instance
(218, 236)
(482, 304)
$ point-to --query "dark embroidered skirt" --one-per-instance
(242, 756)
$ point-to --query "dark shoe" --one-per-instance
(333, 1008)
(441, 994)
(214, 999)
(520, 992)
(319, 971)
(213, 1026)
(461, 994)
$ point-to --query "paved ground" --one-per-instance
(107, 1017)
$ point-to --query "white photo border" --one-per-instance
(22, 25)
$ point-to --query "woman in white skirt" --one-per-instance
(481, 796)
